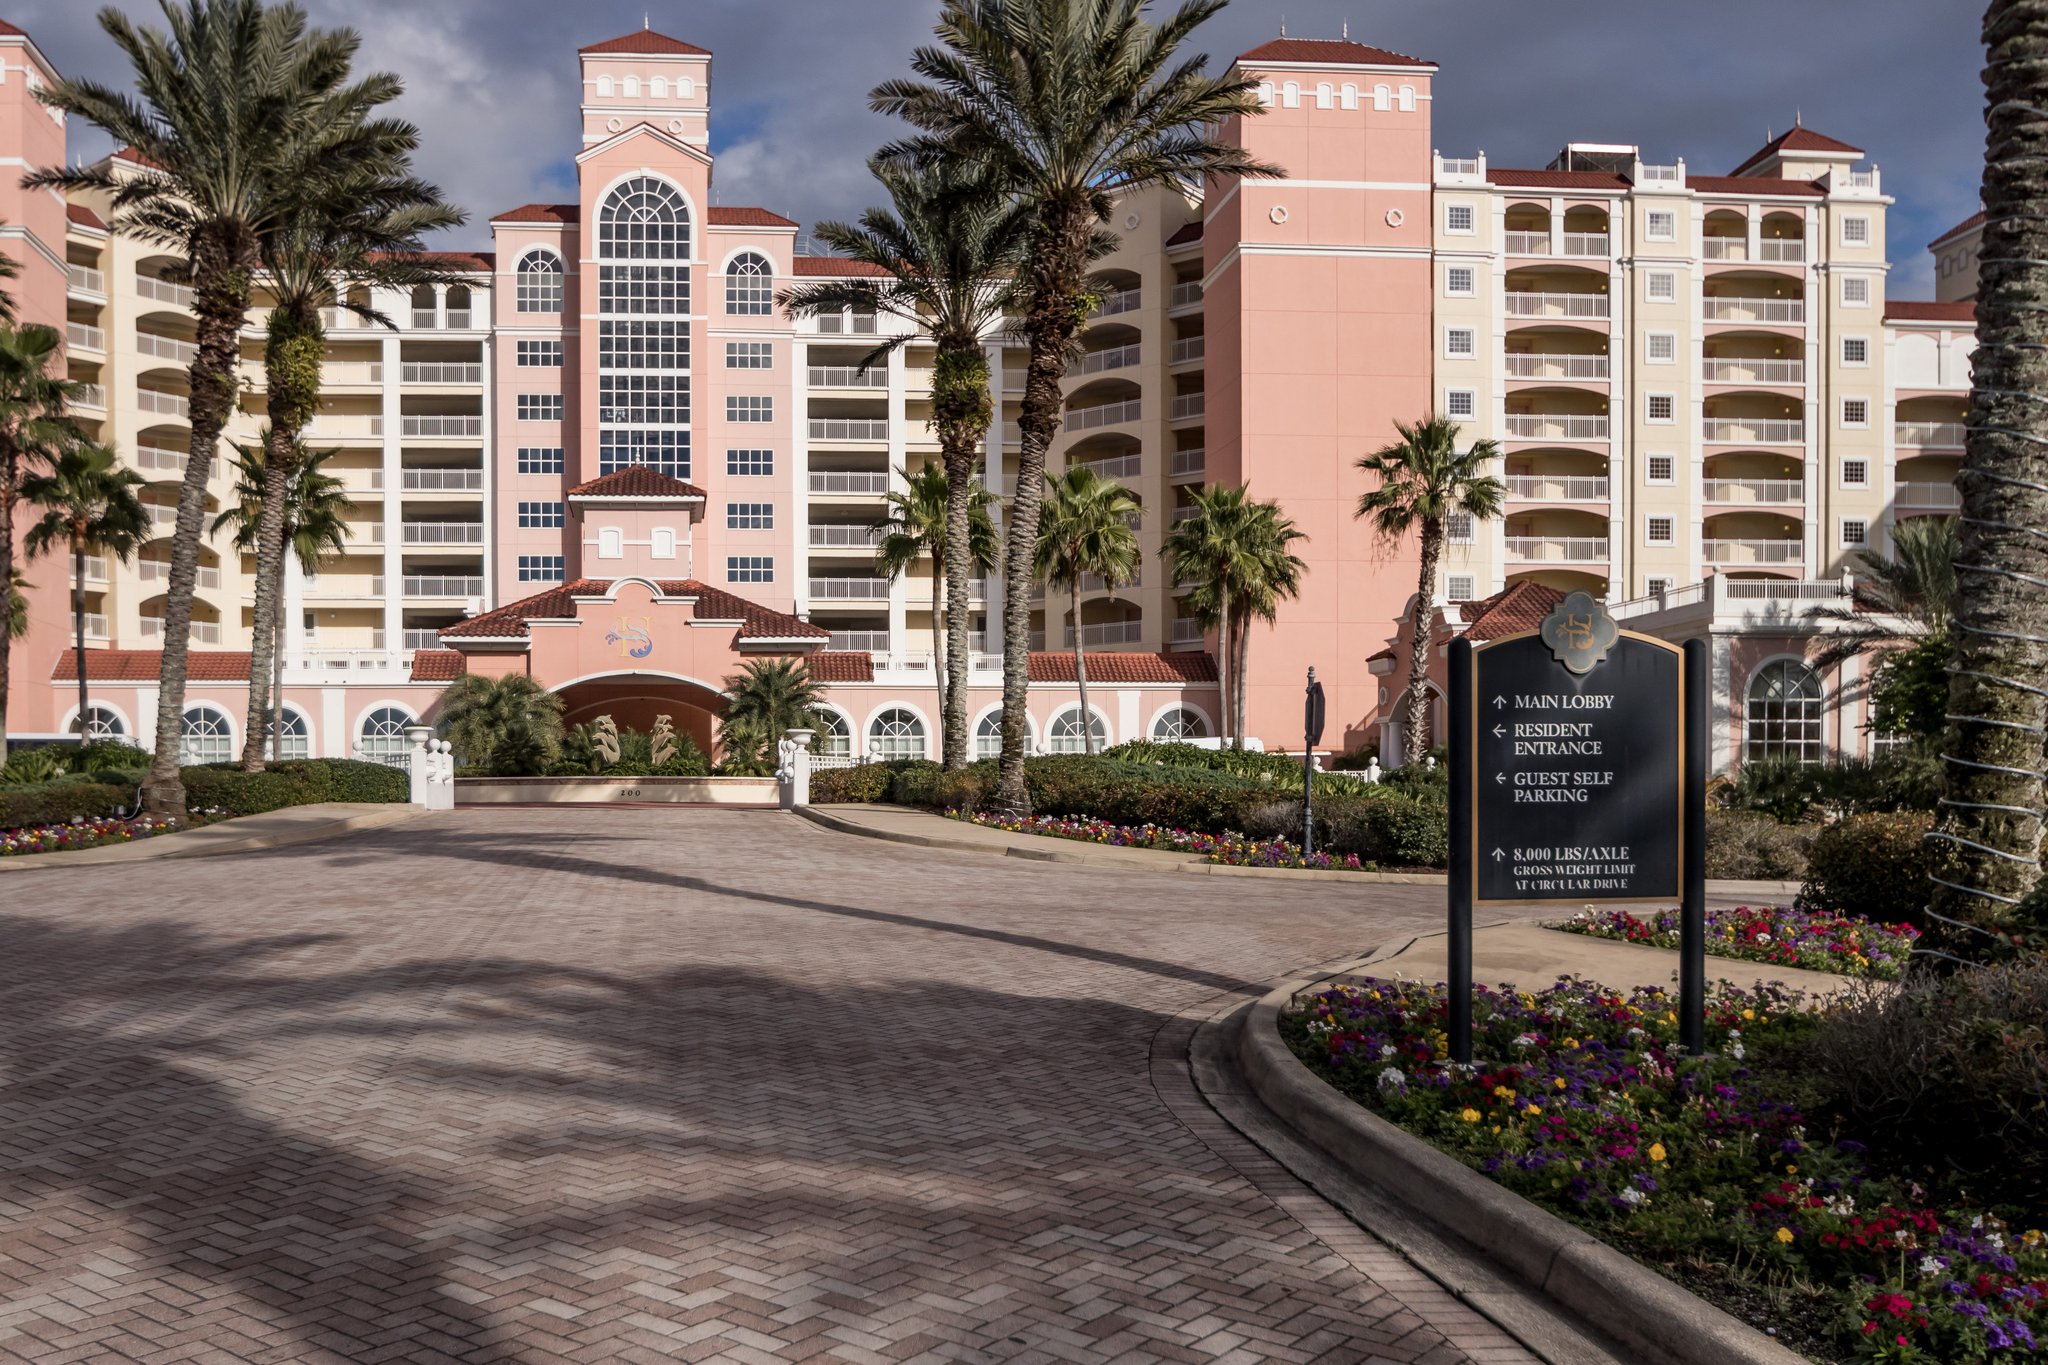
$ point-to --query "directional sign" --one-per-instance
(1575, 756)
(1312, 712)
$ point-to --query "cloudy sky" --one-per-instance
(493, 84)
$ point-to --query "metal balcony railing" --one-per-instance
(1724, 551)
(849, 377)
(344, 426)
(96, 626)
(85, 279)
(872, 641)
(1184, 294)
(443, 585)
(443, 533)
(1187, 405)
(849, 589)
(173, 349)
(1585, 243)
(156, 400)
(1103, 414)
(163, 291)
(1733, 308)
(1522, 243)
(85, 338)
(205, 632)
(1740, 491)
(1106, 633)
(441, 425)
(1928, 497)
(1558, 487)
(1929, 433)
(1188, 348)
(849, 428)
(1558, 549)
(1186, 630)
(1555, 426)
(435, 480)
(1784, 250)
(440, 372)
(852, 481)
(1522, 304)
(89, 396)
(1123, 301)
(1724, 248)
(1768, 431)
(160, 460)
(843, 537)
(1114, 358)
(1743, 370)
(413, 638)
(158, 571)
(1187, 462)
(1526, 365)
(847, 324)
(328, 586)
(1116, 466)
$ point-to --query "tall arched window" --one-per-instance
(1064, 736)
(988, 737)
(297, 737)
(1782, 715)
(383, 737)
(1179, 724)
(835, 736)
(896, 733)
(206, 735)
(643, 356)
(537, 287)
(750, 286)
(100, 723)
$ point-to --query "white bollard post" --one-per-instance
(1372, 769)
(441, 794)
(421, 765)
(794, 771)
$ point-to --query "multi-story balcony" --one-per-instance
(435, 533)
(154, 571)
(1186, 631)
(80, 336)
(1752, 370)
(1557, 488)
(1120, 301)
(1186, 350)
(1104, 414)
(1123, 466)
(161, 402)
(439, 479)
(1187, 294)
(1188, 406)
(857, 483)
(1557, 549)
(1187, 464)
(1532, 365)
(851, 588)
(1786, 312)
(85, 279)
(847, 324)
(1774, 431)
(346, 426)
(447, 372)
(1555, 304)
(441, 585)
(163, 291)
(1920, 498)
(1108, 358)
(852, 377)
(1753, 492)
(90, 396)
(157, 461)
(349, 587)
(172, 350)
(441, 426)
(1555, 426)
(203, 632)
(845, 536)
(1095, 634)
(1930, 435)
(871, 641)
(849, 430)
(1740, 552)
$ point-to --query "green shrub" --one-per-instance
(1876, 865)
(865, 782)
(295, 782)
(353, 780)
(1908, 778)
(689, 760)
(59, 802)
(28, 767)
(1746, 846)
(1137, 794)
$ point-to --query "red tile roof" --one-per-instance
(1521, 606)
(436, 665)
(483, 262)
(637, 481)
(840, 666)
(1926, 310)
(540, 213)
(1557, 180)
(1328, 52)
(84, 217)
(11, 31)
(834, 266)
(1057, 666)
(558, 604)
(1187, 232)
(648, 43)
(144, 665)
(1974, 220)
(1797, 139)
(1751, 185)
(746, 217)
(130, 154)
(1386, 653)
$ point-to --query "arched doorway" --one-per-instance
(633, 700)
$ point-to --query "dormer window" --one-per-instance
(604, 86)
(657, 88)
(631, 87)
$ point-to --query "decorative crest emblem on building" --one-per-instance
(632, 639)
(1579, 632)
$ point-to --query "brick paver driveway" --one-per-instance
(539, 1085)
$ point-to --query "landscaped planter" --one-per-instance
(609, 790)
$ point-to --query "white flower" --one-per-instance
(1386, 1051)
(1929, 1267)
(1997, 1240)
(1525, 1041)
(1633, 1033)
(1737, 1052)
(1392, 1079)
(1632, 1196)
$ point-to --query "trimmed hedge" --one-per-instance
(61, 801)
(295, 782)
(1876, 865)
(1748, 847)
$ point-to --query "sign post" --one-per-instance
(1312, 735)
(1578, 775)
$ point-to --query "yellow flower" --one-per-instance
(1657, 1152)
(1749, 1014)
(1533, 1110)
(1791, 1170)
(1560, 1082)
(1784, 1234)
(1496, 1128)
(1470, 1116)
(1505, 1092)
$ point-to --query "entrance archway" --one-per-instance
(633, 700)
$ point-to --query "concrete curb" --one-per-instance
(1641, 1309)
(163, 846)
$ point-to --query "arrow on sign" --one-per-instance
(1499, 730)
(1498, 855)
(1500, 777)
(1500, 702)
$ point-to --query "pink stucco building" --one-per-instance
(608, 459)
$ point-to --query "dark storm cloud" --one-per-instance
(492, 83)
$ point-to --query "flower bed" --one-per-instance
(1820, 941)
(1592, 1110)
(84, 833)
(1231, 850)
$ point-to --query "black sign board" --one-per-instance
(1312, 713)
(1576, 777)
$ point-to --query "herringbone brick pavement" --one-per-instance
(651, 1085)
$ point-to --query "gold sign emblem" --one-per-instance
(1580, 632)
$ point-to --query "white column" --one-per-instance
(394, 498)
(899, 434)
(798, 473)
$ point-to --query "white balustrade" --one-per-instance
(1116, 466)
(1108, 633)
(441, 425)
(1736, 308)
(1122, 301)
(844, 537)
(1189, 348)
(159, 571)
(1558, 549)
(1520, 243)
(849, 428)
(443, 585)
(439, 372)
(1524, 304)
(860, 641)
(1929, 433)
(1188, 462)
(158, 401)
(1585, 243)
(205, 632)
(163, 291)
(435, 479)
(849, 481)
(1783, 250)
(83, 337)
(1747, 370)
(1103, 414)
(1187, 405)
(1528, 365)
(1749, 551)
(1556, 426)
(177, 351)
(1928, 497)
(1557, 487)
(849, 589)
(1112, 358)
(851, 377)
(85, 279)
(1739, 491)
(443, 533)
(1770, 431)
(90, 396)
(1184, 294)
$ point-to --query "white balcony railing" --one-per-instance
(1107, 633)
(425, 317)
(82, 337)
(1731, 308)
(1123, 301)
(1558, 549)
(849, 481)
(849, 589)
(163, 291)
(1187, 349)
(1111, 358)
(1744, 370)
(1929, 433)
(345, 426)
(96, 627)
(1524, 365)
(1723, 551)
(1187, 405)
(1103, 414)
(414, 638)
(162, 520)
(872, 641)
(89, 396)
(1457, 165)
(442, 533)
(85, 279)
(1585, 243)
(1527, 243)
(442, 425)
(1095, 582)
(1116, 466)
(1651, 173)
(1724, 248)
(1534, 305)
(436, 480)
(160, 460)
(353, 586)
(849, 377)
(440, 372)
(1767, 431)
(1928, 497)
(166, 348)
(443, 585)
(1784, 250)
(841, 537)
(1184, 294)
(1187, 462)
(156, 400)
(849, 428)
(1740, 491)
(205, 632)
(1557, 487)
(158, 571)
(96, 571)
(847, 324)
(1186, 630)
(1556, 426)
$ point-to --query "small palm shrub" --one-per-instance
(509, 726)
(1877, 864)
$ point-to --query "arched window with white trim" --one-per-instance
(296, 739)
(1179, 725)
(382, 737)
(835, 736)
(1407, 99)
(1065, 736)
(537, 283)
(100, 723)
(750, 286)
(630, 87)
(896, 733)
(206, 735)
(1382, 98)
(643, 347)
(988, 736)
(1326, 95)
(1290, 95)
(1782, 714)
(604, 85)
(657, 88)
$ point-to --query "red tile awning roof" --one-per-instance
(540, 213)
(1057, 666)
(835, 266)
(1798, 139)
(559, 604)
(130, 154)
(638, 481)
(11, 31)
(1751, 185)
(84, 217)
(746, 217)
(1521, 606)
(1926, 310)
(1974, 220)
(646, 42)
(436, 665)
(481, 262)
(1556, 180)
(1329, 52)
(1187, 232)
(145, 665)
(841, 666)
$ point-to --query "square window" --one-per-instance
(1660, 286)
(1855, 473)
(1460, 341)
(541, 355)
(747, 408)
(1660, 531)
(1460, 403)
(540, 515)
(1660, 407)
(749, 463)
(1855, 412)
(1855, 291)
(1855, 350)
(1458, 280)
(749, 569)
(1660, 225)
(749, 355)
(1458, 218)
(1660, 469)
(1458, 587)
(542, 568)
(540, 459)
(1855, 533)
(1855, 230)
(1656, 587)
(750, 516)
(1660, 348)
(1458, 528)
(540, 407)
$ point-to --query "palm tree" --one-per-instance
(511, 726)
(765, 698)
(313, 521)
(32, 431)
(1425, 480)
(89, 506)
(242, 117)
(949, 256)
(1234, 551)
(1067, 105)
(8, 271)
(1899, 598)
(1991, 814)
(14, 609)
(919, 522)
(1087, 528)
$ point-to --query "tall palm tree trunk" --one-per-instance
(277, 671)
(1225, 674)
(959, 561)
(1240, 653)
(1081, 672)
(1991, 813)
(269, 572)
(222, 302)
(78, 627)
(1415, 706)
(939, 649)
(10, 493)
